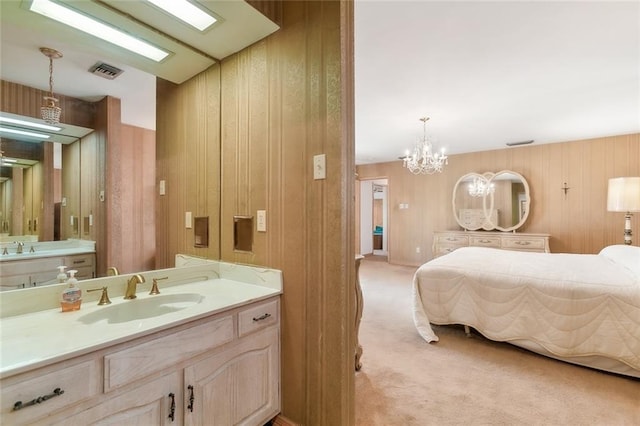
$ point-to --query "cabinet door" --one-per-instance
(146, 405)
(240, 385)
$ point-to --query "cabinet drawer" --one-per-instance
(77, 261)
(485, 242)
(78, 382)
(258, 317)
(459, 240)
(26, 267)
(134, 363)
(537, 244)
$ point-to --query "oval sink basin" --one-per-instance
(137, 309)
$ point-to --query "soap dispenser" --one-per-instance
(62, 276)
(72, 295)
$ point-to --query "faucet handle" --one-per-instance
(104, 298)
(154, 286)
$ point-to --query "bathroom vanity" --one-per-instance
(206, 350)
(35, 263)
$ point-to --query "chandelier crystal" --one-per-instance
(480, 188)
(424, 160)
(50, 111)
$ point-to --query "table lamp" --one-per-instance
(624, 196)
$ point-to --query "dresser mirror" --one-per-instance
(491, 201)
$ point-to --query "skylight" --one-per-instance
(186, 12)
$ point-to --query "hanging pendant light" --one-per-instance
(424, 160)
(50, 110)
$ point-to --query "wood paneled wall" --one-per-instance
(188, 160)
(578, 221)
(24, 100)
(283, 100)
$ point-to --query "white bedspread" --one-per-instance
(572, 305)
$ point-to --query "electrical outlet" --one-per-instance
(417, 249)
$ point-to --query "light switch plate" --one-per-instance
(187, 220)
(162, 187)
(319, 166)
(261, 223)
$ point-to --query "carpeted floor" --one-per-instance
(469, 381)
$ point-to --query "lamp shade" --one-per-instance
(624, 194)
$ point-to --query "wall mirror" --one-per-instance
(23, 173)
(489, 201)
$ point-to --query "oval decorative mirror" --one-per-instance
(490, 201)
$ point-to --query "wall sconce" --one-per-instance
(624, 196)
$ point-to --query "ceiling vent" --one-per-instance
(105, 70)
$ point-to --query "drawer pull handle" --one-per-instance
(19, 405)
(261, 317)
(191, 398)
(77, 262)
(172, 407)
(484, 241)
(523, 243)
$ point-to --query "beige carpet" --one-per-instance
(470, 381)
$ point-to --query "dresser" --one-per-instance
(447, 241)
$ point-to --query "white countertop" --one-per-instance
(40, 338)
(45, 253)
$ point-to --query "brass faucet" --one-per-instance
(20, 246)
(131, 286)
(112, 271)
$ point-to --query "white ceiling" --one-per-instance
(24, 32)
(486, 73)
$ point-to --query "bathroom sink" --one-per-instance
(138, 309)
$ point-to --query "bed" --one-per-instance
(580, 308)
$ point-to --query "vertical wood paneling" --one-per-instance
(578, 221)
(188, 160)
(24, 100)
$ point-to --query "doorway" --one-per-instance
(374, 218)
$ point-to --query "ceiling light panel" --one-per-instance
(96, 28)
(187, 12)
(31, 124)
(27, 133)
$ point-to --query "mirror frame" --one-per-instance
(488, 202)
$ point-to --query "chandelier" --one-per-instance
(50, 110)
(480, 188)
(424, 160)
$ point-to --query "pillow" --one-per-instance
(627, 256)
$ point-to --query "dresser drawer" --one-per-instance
(258, 317)
(443, 249)
(536, 244)
(458, 240)
(485, 241)
(76, 383)
(134, 363)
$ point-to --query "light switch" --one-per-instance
(319, 166)
(187, 220)
(261, 224)
(162, 189)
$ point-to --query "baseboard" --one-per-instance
(280, 420)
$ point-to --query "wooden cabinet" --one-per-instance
(446, 241)
(238, 386)
(26, 272)
(149, 404)
(220, 370)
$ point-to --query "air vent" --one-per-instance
(105, 70)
